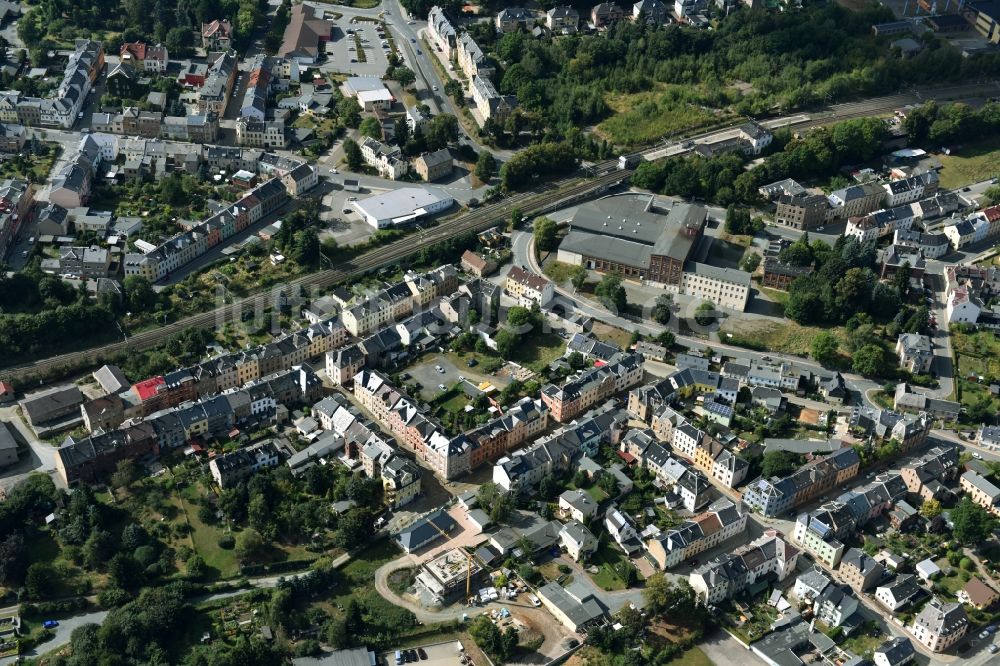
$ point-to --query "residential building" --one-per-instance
(442, 32)
(801, 211)
(859, 570)
(477, 264)
(856, 200)
(729, 469)
(217, 35)
(897, 651)
(578, 541)
(230, 468)
(471, 59)
(51, 404)
(400, 482)
(939, 625)
(981, 491)
(490, 104)
(909, 190)
(653, 12)
(16, 201)
(592, 387)
(512, 19)
(775, 496)
(620, 527)
(344, 363)
(926, 475)
(898, 593)
(930, 245)
(577, 504)
(387, 160)
(915, 353)
(433, 166)
(834, 606)
(562, 20)
(728, 575)
(528, 288)
(722, 521)
(978, 594)
(605, 14)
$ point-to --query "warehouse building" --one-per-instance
(631, 236)
(402, 206)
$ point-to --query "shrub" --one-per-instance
(227, 541)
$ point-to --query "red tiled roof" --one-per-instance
(136, 49)
(148, 388)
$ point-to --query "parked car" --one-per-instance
(472, 363)
(439, 369)
(50, 624)
(442, 387)
(421, 653)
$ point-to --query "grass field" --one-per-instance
(973, 163)
(787, 338)
(538, 350)
(612, 334)
(205, 538)
(644, 117)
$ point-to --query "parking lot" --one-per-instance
(441, 654)
(427, 375)
(342, 49)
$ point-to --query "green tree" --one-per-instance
(249, 545)
(870, 361)
(751, 262)
(506, 341)
(704, 314)
(486, 166)
(454, 89)
(40, 581)
(824, 348)
(611, 293)
(139, 294)
(544, 232)
(662, 308)
(370, 126)
(579, 277)
(780, 463)
(930, 508)
(403, 75)
(972, 524)
(352, 153)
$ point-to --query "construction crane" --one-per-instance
(468, 560)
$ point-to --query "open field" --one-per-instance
(538, 350)
(973, 163)
(644, 117)
(612, 334)
(786, 338)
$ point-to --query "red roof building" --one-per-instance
(148, 388)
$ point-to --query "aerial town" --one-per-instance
(377, 332)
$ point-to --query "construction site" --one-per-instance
(448, 574)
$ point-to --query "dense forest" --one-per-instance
(753, 63)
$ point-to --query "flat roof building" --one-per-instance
(402, 206)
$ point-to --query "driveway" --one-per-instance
(62, 634)
(41, 457)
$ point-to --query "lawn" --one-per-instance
(973, 163)
(642, 118)
(977, 354)
(607, 558)
(205, 538)
(776, 295)
(754, 628)
(864, 642)
(597, 493)
(538, 350)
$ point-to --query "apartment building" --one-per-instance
(981, 491)
(728, 575)
(719, 523)
(592, 387)
(726, 288)
(860, 570)
(775, 496)
(230, 468)
(527, 287)
(939, 625)
(801, 211)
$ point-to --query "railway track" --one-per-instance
(538, 200)
(601, 175)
